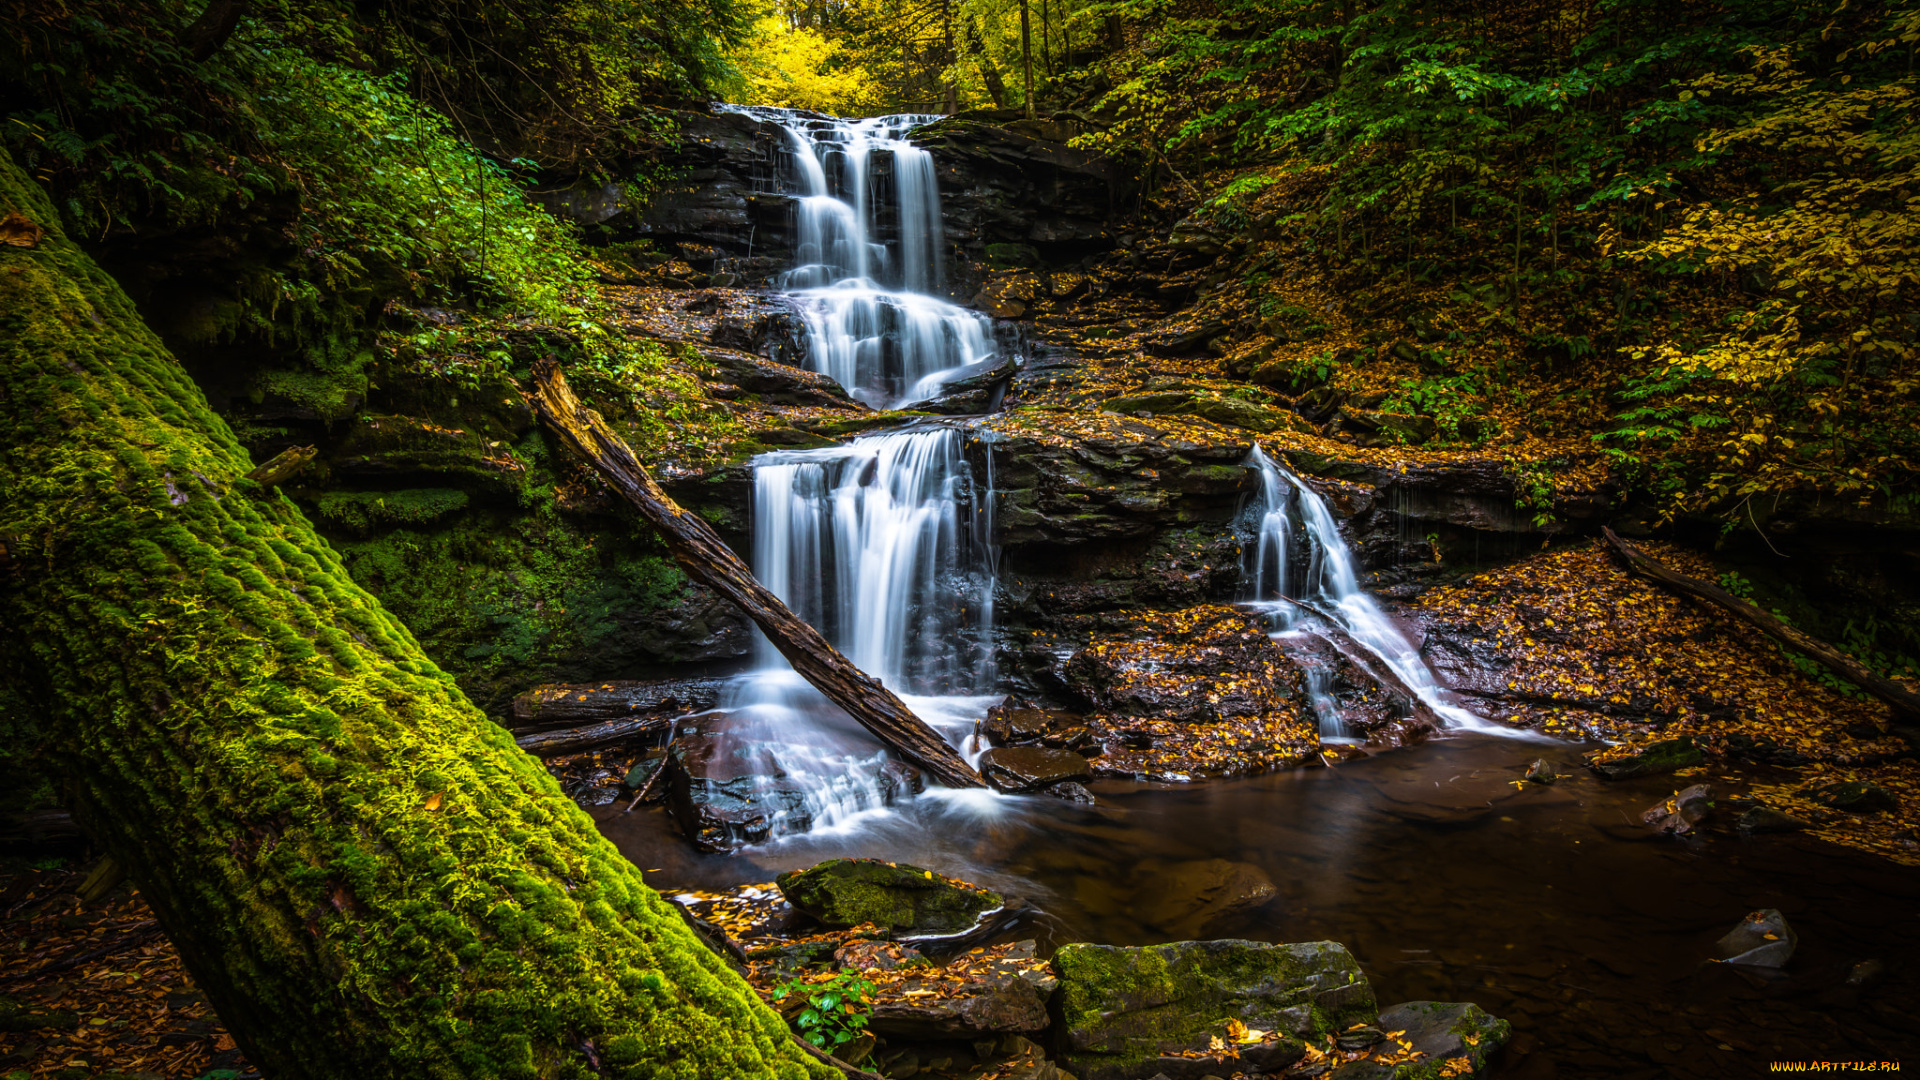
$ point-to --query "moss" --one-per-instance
(848, 892)
(506, 599)
(1122, 1007)
(260, 740)
(365, 511)
(328, 396)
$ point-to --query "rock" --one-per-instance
(776, 383)
(848, 892)
(725, 788)
(1541, 771)
(1124, 1011)
(1075, 793)
(1865, 972)
(1856, 797)
(1010, 725)
(1670, 755)
(875, 955)
(1183, 899)
(1446, 1032)
(1231, 412)
(976, 388)
(1765, 819)
(995, 991)
(1763, 939)
(1678, 814)
(1020, 769)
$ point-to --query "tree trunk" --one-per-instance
(1652, 569)
(996, 87)
(707, 559)
(217, 22)
(1026, 54)
(561, 705)
(361, 871)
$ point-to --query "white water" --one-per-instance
(874, 323)
(876, 544)
(1330, 584)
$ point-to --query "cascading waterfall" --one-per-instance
(1329, 584)
(873, 322)
(878, 545)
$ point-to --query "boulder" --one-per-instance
(1444, 1034)
(1678, 814)
(1857, 797)
(1017, 770)
(1189, 694)
(1765, 819)
(1227, 411)
(976, 388)
(1130, 1013)
(992, 991)
(776, 383)
(1541, 771)
(1669, 755)
(909, 900)
(1763, 939)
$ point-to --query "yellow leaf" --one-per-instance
(433, 801)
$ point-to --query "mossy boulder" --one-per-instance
(1128, 1013)
(1445, 1033)
(1227, 411)
(907, 899)
(1668, 755)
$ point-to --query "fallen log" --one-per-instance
(1648, 567)
(579, 740)
(562, 705)
(707, 559)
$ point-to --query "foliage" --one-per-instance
(833, 1009)
(798, 67)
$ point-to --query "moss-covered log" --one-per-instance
(364, 874)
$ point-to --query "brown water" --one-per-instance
(1549, 906)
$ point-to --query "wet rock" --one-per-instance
(974, 389)
(907, 899)
(1865, 972)
(1011, 725)
(1765, 819)
(1125, 1011)
(996, 991)
(1763, 939)
(1188, 694)
(1385, 428)
(776, 383)
(1670, 755)
(1541, 771)
(1021, 769)
(1447, 1032)
(1857, 797)
(1074, 793)
(1183, 899)
(1678, 814)
(725, 788)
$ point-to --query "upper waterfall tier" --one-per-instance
(868, 256)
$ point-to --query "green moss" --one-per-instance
(329, 396)
(261, 741)
(364, 511)
(1122, 1007)
(848, 892)
(507, 599)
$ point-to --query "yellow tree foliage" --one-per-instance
(800, 68)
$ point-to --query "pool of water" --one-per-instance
(1550, 906)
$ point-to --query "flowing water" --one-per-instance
(1300, 572)
(869, 257)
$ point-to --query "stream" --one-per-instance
(1445, 875)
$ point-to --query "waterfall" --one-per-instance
(873, 322)
(1328, 583)
(878, 544)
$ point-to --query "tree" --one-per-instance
(364, 874)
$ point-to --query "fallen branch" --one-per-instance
(1648, 567)
(707, 559)
(559, 705)
(581, 739)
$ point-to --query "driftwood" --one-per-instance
(561, 705)
(1648, 567)
(581, 739)
(707, 559)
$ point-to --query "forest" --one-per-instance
(1004, 539)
